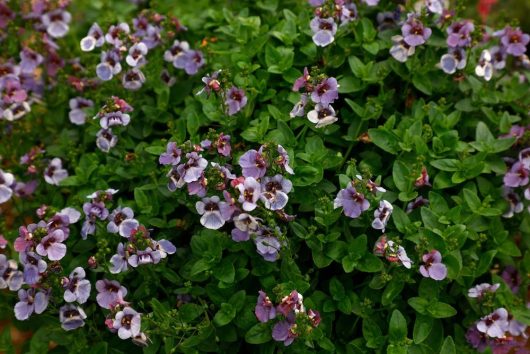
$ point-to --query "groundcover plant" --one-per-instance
(263, 176)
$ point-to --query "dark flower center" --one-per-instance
(273, 186)
(323, 113)
(211, 206)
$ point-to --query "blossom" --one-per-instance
(147, 256)
(351, 201)
(326, 92)
(30, 301)
(433, 267)
(3, 242)
(116, 33)
(512, 278)
(171, 156)
(235, 100)
(55, 173)
(93, 211)
(515, 204)
(56, 22)
(291, 302)
(114, 119)
(476, 339)
(480, 290)
(94, 38)
(127, 322)
(214, 212)
(119, 260)
(382, 215)
(71, 317)
(517, 176)
(484, 67)
(127, 227)
(494, 324)
(322, 115)
(52, 246)
(117, 217)
(454, 60)
(6, 181)
(10, 276)
(29, 60)
(274, 192)
(177, 50)
(283, 160)
(514, 41)
(299, 108)
(106, 140)
(223, 145)
(301, 81)
(164, 247)
(253, 164)
(133, 79)
(110, 292)
(191, 171)
(268, 247)
(400, 50)
(249, 193)
(395, 253)
(284, 331)
(137, 53)
(324, 30)
(414, 32)
(459, 34)
(77, 114)
(211, 83)
(109, 65)
(77, 288)
(34, 266)
(265, 309)
(516, 328)
(434, 6)
(191, 61)
(371, 2)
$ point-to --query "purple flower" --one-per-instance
(106, 140)
(326, 92)
(223, 145)
(6, 15)
(253, 164)
(71, 317)
(512, 278)
(77, 288)
(459, 34)
(316, 3)
(517, 176)
(498, 57)
(301, 81)
(283, 160)
(414, 32)
(52, 246)
(16, 111)
(211, 83)
(524, 157)
(127, 227)
(128, 323)
(371, 2)
(77, 114)
(516, 206)
(29, 60)
(353, 202)
(56, 22)
(114, 119)
(102, 196)
(10, 276)
(13, 91)
(93, 211)
(494, 324)
(274, 192)
(191, 61)
(382, 215)
(291, 303)
(395, 253)
(119, 260)
(322, 115)
(515, 327)
(268, 247)
(94, 38)
(235, 100)
(137, 55)
(299, 108)
(116, 33)
(324, 30)
(171, 156)
(55, 173)
(3, 242)
(249, 193)
(214, 212)
(147, 256)
(476, 339)
(6, 181)
(191, 171)
(177, 50)
(164, 247)
(484, 67)
(515, 41)
(433, 267)
(454, 60)
(109, 65)
(284, 331)
(34, 266)
(482, 289)
(110, 292)
(133, 79)
(434, 6)
(30, 302)
(117, 217)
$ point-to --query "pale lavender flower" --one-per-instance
(326, 92)
(283, 160)
(147, 256)
(176, 51)
(477, 339)
(191, 61)
(137, 53)
(223, 145)
(164, 247)
(516, 328)
(498, 57)
(316, 3)
(322, 116)
(459, 34)
(56, 22)
(127, 227)
(414, 32)
(433, 267)
(95, 38)
(34, 266)
(324, 30)
(494, 324)
(110, 65)
(484, 67)
(93, 211)
(264, 309)
(274, 192)
(102, 196)
(10, 276)
(77, 288)
(133, 79)
(517, 176)
(524, 158)
(106, 140)
(71, 317)
(515, 204)
(301, 81)
(515, 41)
(110, 292)
(171, 156)
(382, 215)
(299, 108)
(512, 278)
(253, 164)
(30, 301)
(119, 260)
(114, 119)
(29, 60)
(16, 111)
(191, 171)
(435, 6)
(480, 290)
(77, 114)
(235, 100)
(285, 331)
(117, 217)
(54, 173)
(52, 246)
(116, 34)
(249, 193)
(371, 2)
(128, 323)
(268, 247)
(246, 222)
(6, 181)
(456, 59)
(353, 202)
(211, 83)
(214, 212)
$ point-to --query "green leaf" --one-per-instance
(385, 140)
(419, 304)
(225, 315)
(472, 200)
(441, 310)
(397, 330)
(393, 289)
(225, 271)
(372, 333)
(259, 334)
(448, 347)
(422, 328)
(423, 83)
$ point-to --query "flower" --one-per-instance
(433, 267)
(516, 206)
(494, 324)
(52, 246)
(484, 67)
(249, 193)
(268, 247)
(283, 160)
(371, 2)
(109, 65)
(274, 192)
(147, 256)
(517, 176)
(326, 92)
(265, 309)
(117, 217)
(94, 38)
(30, 302)
(191, 171)
(56, 22)
(211, 83)
(6, 181)
(514, 41)
(476, 339)
(116, 33)
(133, 79)
(55, 173)
(71, 317)
(106, 140)
(137, 54)
(214, 212)
(77, 288)
(322, 115)
(223, 145)
(512, 278)
(480, 290)
(290, 303)
(29, 60)
(284, 331)
(324, 30)
(414, 32)
(127, 227)
(235, 100)
(455, 59)
(191, 61)
(351, 201)
(93, 211)
(114, 118)
(128, 323)
(382, 215)
(119, 260)
(301, 81)
(10, 276)
(34, 266)
(299, 108)
(434, 6)
(77, 114)
(110, 292)
(177, 50)
(253, 164)
(395, 253)
(459, 34)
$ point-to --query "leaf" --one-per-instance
(448, 347)
(419, 304)
(225, 315)
(385, 140)
(472, 200)
(441, 310)
(393, 289)
(397, 329)
(423, 83)
(258, 334)
(483, 134)
(422, 328)
(372, 333)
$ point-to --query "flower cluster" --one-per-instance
(234, 99)
(353, 201)
(322, 91)
(294, 320)
(261, 180)
(327, 15)
(182, 57)
(392, 252)
(115, 113)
